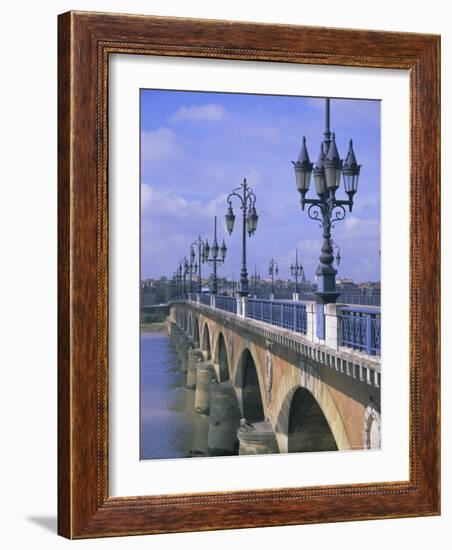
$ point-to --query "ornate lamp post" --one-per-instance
(272, 271)
(215, 252)
(247, 200)
(178, 277)
(199, 245)
(173, 286)
(193, 266)
(327, 209)
(338, 256)
(183, 271)
(255, 280)
(296, 270)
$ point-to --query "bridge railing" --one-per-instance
(204, 299)
(287, 314)
(355, 327)
(360, 329)
(359, 299)
(226, 303)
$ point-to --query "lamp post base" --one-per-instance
(243, 290)
(327, 297)
(327, 292)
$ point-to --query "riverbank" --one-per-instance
(153, 327)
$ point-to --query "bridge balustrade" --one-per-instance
(357, 328)
(205, 299)
(226, 303)
(359, 299)
(286, 314)
(360, 329)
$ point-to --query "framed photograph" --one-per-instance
(248, 275)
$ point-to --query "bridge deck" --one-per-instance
(350, 362)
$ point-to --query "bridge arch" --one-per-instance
(205, 345)
(249, 385)
(221, 359)
(308, 427)
(190, 324)
(286, 420)
(195, 331)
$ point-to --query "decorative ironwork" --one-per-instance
(196, 265)
(360, 329)
(327, 209)
(286, 314)
(226, 303)
(247, 199)
(218, 255)
(273, 270)
(297, 271)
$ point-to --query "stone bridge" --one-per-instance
(268, 389)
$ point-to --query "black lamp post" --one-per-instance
(194, 265)
(255, 280)
(273, 270)
(296, 270)
(178, 276)
(173, 286)
(216, 251)
(338, 256)
(183, 271)
(247, 200)
(327, 209)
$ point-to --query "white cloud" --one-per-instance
(198, 113)
(169, 223)
(167, 203)
(357, 228)
(160, 144)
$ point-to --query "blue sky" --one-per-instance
(197, 146)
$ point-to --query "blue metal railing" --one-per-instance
(360, 328)
(205, 299)
(359, 299)
(226, 303)
(285, 314)
(283, 295)
(286, 296)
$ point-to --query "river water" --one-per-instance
(169, 426)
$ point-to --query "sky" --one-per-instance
(196, 147)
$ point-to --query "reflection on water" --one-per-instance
(169, 426)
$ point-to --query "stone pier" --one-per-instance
(224, 419)
(183, 345)
(205, 374)
(195, 356)
(258, 438)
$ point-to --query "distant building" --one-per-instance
(154, 291)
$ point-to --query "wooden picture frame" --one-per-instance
(86, 40)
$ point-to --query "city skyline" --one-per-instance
(197, 146)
